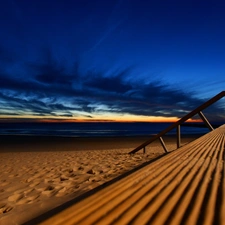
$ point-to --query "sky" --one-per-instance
(114, 60)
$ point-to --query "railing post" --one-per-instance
(163, 144)
(183, 119)
(178, 136)
(205, 120)
(144, 150)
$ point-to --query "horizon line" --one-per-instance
(53, 120)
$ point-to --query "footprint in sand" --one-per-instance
(62, 192)
(29, 197)
(4, 208)
(32, 198)
(95, 179)
(22, 201)
(82, 178)
(21, 190)
(28, 191)
(35, 183)
(15, 197)
(4, 183)
(48, 191)
(63, 178)
(42, 187)
(13, 175)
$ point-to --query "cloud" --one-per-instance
(113, 83)
(49, 71)
(51, 89)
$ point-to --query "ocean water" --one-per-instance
(95, 129)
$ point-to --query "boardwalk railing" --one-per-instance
(179, 122)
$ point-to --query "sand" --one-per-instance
(39, 174)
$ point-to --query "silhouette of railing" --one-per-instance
(178, 123)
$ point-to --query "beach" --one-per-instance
(39, 174)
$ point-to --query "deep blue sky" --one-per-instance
(98, 59)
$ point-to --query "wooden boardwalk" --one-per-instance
(186, 186)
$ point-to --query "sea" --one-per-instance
(95, 129)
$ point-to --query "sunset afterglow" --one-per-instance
(110, 60)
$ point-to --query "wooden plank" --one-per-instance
(182, 187)
(222, 195)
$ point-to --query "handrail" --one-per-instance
(183, 119)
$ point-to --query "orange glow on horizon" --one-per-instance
(125, 119)
(121, 120)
